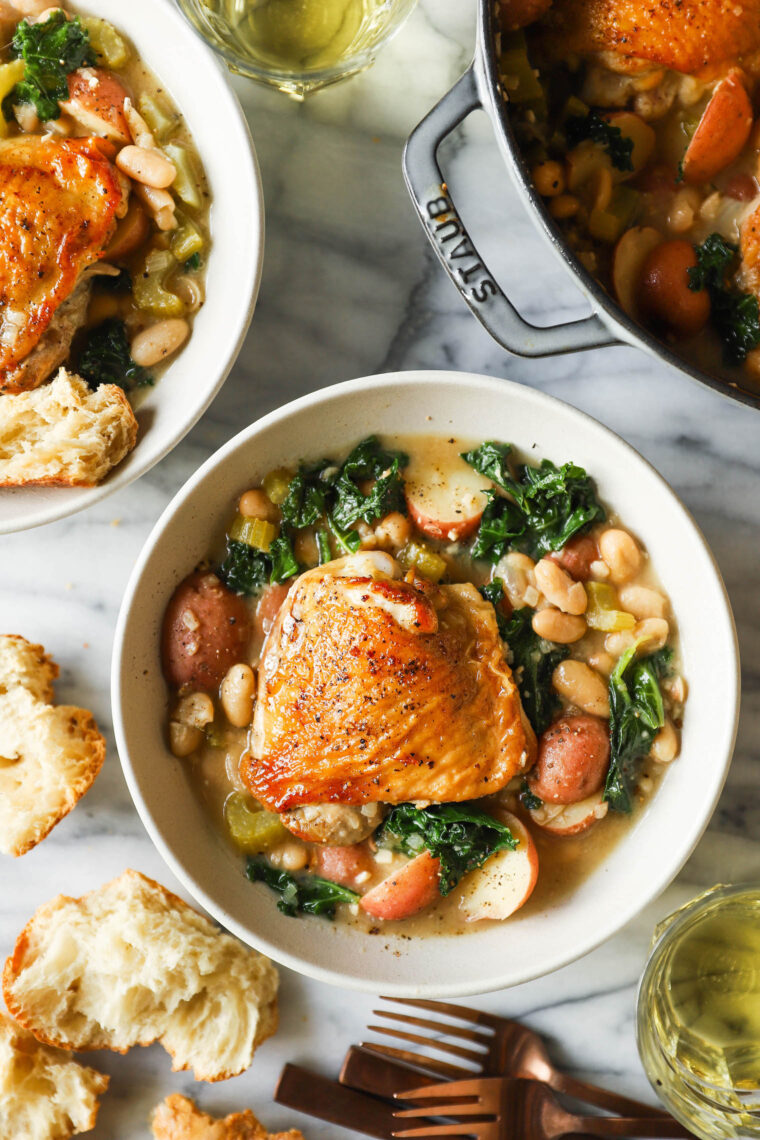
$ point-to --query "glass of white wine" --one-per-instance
(699, 1013)
(297, 46)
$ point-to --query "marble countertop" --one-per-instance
(350, 288)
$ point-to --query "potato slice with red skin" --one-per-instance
(577, 555)
(505, 882)
(570, 819)
(206, 630)
(627, 265)
(96, 100)
(268, 607)
(722, 131)
(407, 891)
(343, 864)
(573, 757)
(448, 503)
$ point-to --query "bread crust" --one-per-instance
(57, 749)
(179, 1118)
(23, 954)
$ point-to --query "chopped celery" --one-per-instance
(276, 485)
(518, 77)
(110, 48)
(186, 240)
(10, 75)
(603, 610)
(157, 115)
(216, 735)
(252, 829)
(573, 108)
(604, 225)
(186, 185)
(253, 532)
(422, 559)
(625, 202)
(148, 289)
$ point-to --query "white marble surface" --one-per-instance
(350, 288)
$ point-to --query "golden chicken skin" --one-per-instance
(375, 688)
(59, 201)
(689, 36)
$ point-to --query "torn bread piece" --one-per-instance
(179, 1118)
(64, 434)
(131, 963)
(49, 754)
(44, 1093)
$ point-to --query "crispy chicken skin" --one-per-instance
(683, 35)
(58, 206)
(373, 688)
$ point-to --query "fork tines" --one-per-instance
(475, 1057)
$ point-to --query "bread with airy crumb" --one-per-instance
(129, 964)
(64, 434)
(179, 1118)
(44, 1093)
(49, 754)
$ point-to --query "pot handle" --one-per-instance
(455, 248)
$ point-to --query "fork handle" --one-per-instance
(629, 1126)
(604, 1098)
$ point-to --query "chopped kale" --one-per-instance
(493, 592)
(305, 895)
(533, 662)
(305, 501)
(193, 263)
(348, 541)
(105, 358)
(323, 546)
(120, 282)
(547, 506)
(283, 561)
(736, 315)
(247, 570)
(461, 836)
(636, 716)
(529, 800)
(592, 126)
(51, 50)
(368, 461)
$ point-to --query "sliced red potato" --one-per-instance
(573, 758)
(642, 136)
(577, 556)
(407, 891)
(96, 101)
(268, 607)
(505, 881)
(344, 864)
(628, 262)
(447, 501)
(722, 131)
(570, 819)
(665, 296)
(130, 234)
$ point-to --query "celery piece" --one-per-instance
(425, 561)
(110, 47)
(186, 185)
(603, 611)
(157, 115)
(574, 108)
(604, 225)
(186, 240)
(276, 485)
(10, 75)
(518, 77)
(624, 204)
(257, 533)
(148, 290)
(252, 829)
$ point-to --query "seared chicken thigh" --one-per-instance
(59, 201)
(373, 688)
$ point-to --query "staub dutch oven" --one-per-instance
(480, 88)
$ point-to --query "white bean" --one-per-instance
(555, 626)
(184, 739)
(160, 204)
(237, 694)
(291, 856)
(665, 744)
(621, 553)
(158, 341)
(190, 290)
(196, 710)
(581, 686)
(141, 133)
(393, 531)
(149, 167)
(559, 588)
(256, 504)
(517, 571)
(652, 633)
(643, 602)
(602, 662)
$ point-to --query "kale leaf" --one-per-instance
(307, 492)
(548, 505)
(283, 561)
(246, 570)
(528, 798)
(493, 592)
(533, 662)
(736, 315)
(51, 50)
(193, 262)
(368, 460)
(105, 358)
(636, 716)
(461, 836)
(592, 126)
(306, 895)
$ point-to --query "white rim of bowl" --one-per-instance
(117, 482)
(603, 931)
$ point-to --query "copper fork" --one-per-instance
(505, 1108)
(501, 1048)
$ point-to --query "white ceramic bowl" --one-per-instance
(660, 838)
(197, 83)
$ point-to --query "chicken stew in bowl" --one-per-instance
(414, 674)
(103, 211)
(638, 127)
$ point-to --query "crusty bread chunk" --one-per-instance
(44, 1093)
(178, 1118)
(49, 754)
(129, 964)
(64, 434)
